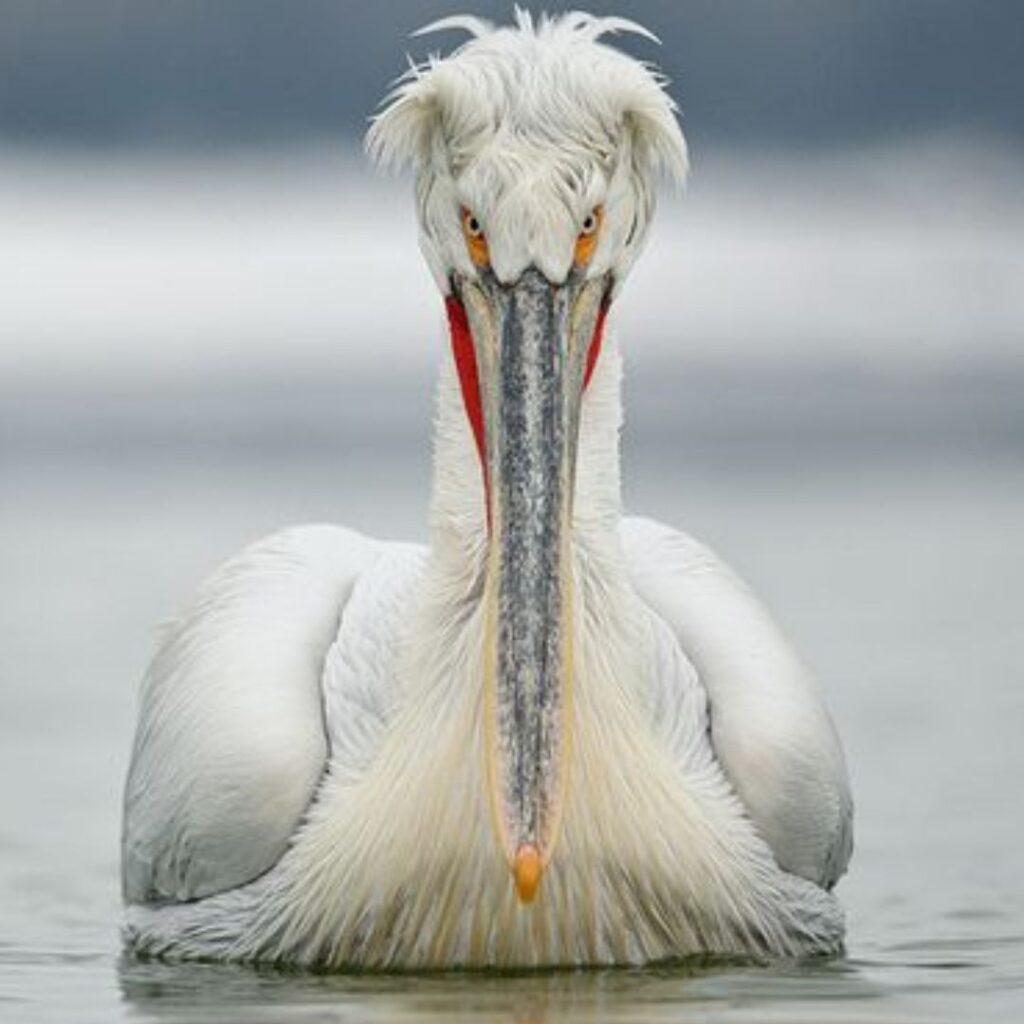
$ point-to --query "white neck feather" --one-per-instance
(458, 523)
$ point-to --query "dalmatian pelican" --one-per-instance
(553, 736)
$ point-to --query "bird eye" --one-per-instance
(476, 242)
(586, 240)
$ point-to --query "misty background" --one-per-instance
(186, 220)
(214, 321)
(181, 189)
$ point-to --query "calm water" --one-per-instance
(897, 565)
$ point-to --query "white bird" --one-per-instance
(555, 736)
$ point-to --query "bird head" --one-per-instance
(536, 149)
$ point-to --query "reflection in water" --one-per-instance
(159, 991)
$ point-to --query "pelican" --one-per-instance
(553, 736)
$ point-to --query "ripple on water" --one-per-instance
(799, 990)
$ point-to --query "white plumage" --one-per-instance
(313, 772)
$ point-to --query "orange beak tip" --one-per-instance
(526, 870)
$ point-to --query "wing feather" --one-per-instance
(230, 742)
(769, 726)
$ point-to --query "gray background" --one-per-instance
(773, 72)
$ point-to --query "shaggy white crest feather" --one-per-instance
(531, 127)
(308, 781)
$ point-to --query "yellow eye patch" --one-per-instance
(476, 241)
(586, 240)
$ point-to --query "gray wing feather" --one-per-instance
(768, 724)
(230, 742)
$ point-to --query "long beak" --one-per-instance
(531, 341)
